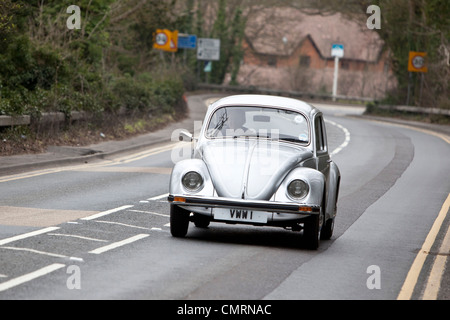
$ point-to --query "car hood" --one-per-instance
(250, 168)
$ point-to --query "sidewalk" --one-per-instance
(60, 156)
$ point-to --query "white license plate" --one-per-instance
(240, 215)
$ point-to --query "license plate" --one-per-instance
(240, 215)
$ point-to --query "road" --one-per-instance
(100, 230)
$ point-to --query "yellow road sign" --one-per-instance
(417, 62)
(166, 40)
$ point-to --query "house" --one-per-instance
(286, 49)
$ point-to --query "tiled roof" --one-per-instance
(280, 31)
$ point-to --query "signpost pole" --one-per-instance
(335, 78)
(337, 51)
(409, 87)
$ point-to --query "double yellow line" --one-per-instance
(434, 280)
(433, 283)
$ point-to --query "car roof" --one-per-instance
(264, 100)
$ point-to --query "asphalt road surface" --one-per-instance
(101, 230)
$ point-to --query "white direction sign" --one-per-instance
(208, 49)
(337, 50)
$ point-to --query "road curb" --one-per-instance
(21, 163)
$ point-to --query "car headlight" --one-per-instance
(298, 189)
(192, 181)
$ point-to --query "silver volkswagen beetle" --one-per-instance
(259, 160)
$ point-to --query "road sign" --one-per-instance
(208, 49)
(187, 41)
(337, 50)
(208, 66)
(166, 40)
(417, 62)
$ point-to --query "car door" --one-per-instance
(321, 146)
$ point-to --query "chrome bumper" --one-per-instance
(256, 205)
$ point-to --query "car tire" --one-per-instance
(179, 221)
(327, 230)
(311, 232)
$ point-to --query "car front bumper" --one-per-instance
(244, 204)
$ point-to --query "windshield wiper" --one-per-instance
(251, 136)
(294, 140)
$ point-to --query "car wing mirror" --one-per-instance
(185, 136)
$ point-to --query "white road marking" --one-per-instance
(346, 140)
(165, 195)
(123, 224)
(30, 276)
(75, 236)
(55, 255)
(27, 235)
(105, 213)
(118, 244)
(155, 213)
(76, 259)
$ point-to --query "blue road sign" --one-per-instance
(187, 42)
(337, 50)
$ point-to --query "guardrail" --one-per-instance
(44, 118)
(437, 111)
(292, 94)
(305, 95)
(59, 117)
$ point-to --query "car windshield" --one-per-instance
(259, 122)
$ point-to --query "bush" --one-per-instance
(146, 94)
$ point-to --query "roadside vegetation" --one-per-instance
(108, 70)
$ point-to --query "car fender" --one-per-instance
(333, 183)
(184, 166)
(315, 180)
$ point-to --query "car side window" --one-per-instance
(320, 134)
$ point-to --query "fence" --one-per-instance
(58, 117)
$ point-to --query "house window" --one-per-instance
(305, 61)
(345, 64)
(272, 61)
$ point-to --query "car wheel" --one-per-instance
(311, 232)
(201, 221)
(327, 230)
(179, 221)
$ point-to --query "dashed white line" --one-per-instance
(118, 244)
(149, 212)
(105, 213)
(30, 276)
(55, 255)
(76, 236)
(165, 195)
(123, 224)
(27, 235)
(346, 140)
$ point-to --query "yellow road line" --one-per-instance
(120, 160)
(434, 281)
(414, 272)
